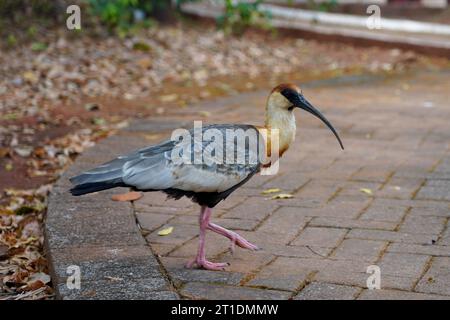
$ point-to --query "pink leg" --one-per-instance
(233, 236)
(200, 260)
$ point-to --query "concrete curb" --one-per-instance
(100, 236)
(320, 25)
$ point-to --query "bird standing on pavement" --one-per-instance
(215, 177)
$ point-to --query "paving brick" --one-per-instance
(373, 173)
(403, 264)
(160, 199)
(179, 235)
(442, 183)
(200, 290)
(247, 192)
(232, 201)
(343, 277)
(437, 278)
(236, 224)
(445, 236)
(152, 221)
(300, 202)
(381, 212)
(397, 295)
(353, 188)
(432, 250)
(338, 208)
(162, 249)
(292, 277)
(258, 181)
(422, 204)
(126, 262)
(244, 261)
(215, 244)
(340, 169)
(359, 279)
(355, 249)
(313, 165)
(397, 283)
(180, 275)
(253, 208)
(444, 166)
(327, 291)
(423, 224)
(295, 251)
(319, 190)
(416, 167)
(431, 211)
(284, 225)
(319, 237)
(400, 188)
(142, 289)
(434, 193)
(287, 182)
(229, 223)
(59, 239)
(167, 210)
(352, 223)
(392, 236)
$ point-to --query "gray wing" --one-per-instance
(187, 164)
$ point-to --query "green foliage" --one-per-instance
(122, 15)
(115, 13)
(323, 6)
(32, 7)
(241, 15)
(11, 40)
(32, 31)
(38, 46)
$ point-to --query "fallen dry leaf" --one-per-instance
(282, 196)
(205, 113)
(129, 196)
(4, 152)
(3, 252)
(113, 279)
(9, 166)
(165, 231)
(39, 276)
(272, 190)
(33, 286)
(152, 137)
(366, 191)
(168, 98)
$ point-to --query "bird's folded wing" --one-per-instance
(201, 167)
(193, 165)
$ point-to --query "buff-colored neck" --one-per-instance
(279, 117)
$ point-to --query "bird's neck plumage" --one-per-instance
(284, 121)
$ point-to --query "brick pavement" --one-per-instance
(316, 245)
(319, 244)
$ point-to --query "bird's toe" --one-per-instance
(207, 265)
(216, 266)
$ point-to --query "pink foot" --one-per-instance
(205, 264)
(233, 236)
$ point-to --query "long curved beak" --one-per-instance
(302, 103)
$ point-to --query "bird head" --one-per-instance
(286, 97)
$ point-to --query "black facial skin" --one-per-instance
(298, 100)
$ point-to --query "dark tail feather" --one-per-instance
(86, 188)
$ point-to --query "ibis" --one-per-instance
(168, 166)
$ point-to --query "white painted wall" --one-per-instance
(434, 3)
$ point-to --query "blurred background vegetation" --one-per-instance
(122, 16)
